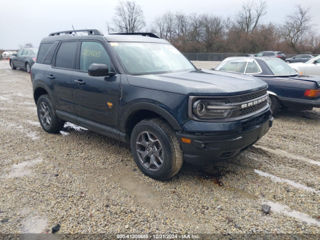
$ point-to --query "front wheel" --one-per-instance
(47, 117)
(155, 149)
(274, 104)
(28, 68)
(12, 65)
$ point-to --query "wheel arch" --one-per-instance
(143, 111)
(40, 90)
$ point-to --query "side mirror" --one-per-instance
(98, 70)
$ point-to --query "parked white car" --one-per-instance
(311, 67)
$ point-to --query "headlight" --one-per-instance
(208, 109)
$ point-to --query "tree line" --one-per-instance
(245, 33)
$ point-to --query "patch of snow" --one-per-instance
(22, 169)
(285, 210)
(2, 98)
(34, 224)
(74, 126)
(64, 133)
(289, 155)
(33, 123)
(21, 129)
(287, 181)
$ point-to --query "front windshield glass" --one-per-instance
(33, 51)
(279, 67)
(313, 59)
(147, 58)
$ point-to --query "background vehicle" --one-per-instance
(311, 67)
(139, 89)
(286, 88)
(299, 58)
(7, 54)
(277, 54)
(24, 59)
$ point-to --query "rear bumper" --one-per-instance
(215, 146)
(300, 102)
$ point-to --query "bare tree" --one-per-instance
(165, 26)
(128, 18)
(212, 31)
(296, 26)
(251, 14)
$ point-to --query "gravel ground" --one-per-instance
(89, 183)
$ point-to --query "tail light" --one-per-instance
(312, 93)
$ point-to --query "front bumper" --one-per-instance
(220, 145)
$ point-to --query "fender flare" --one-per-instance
(152, 107)
(40, 85)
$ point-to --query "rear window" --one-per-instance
(279, 67)
(46, 52)
(268, 54)
(66, 55)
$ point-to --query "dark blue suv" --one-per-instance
(139, 89)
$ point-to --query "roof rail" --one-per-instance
(145, 34)
(89, 31)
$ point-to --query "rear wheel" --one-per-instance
(47, 117)
(12, 65)
(274, 104)
(155, 149)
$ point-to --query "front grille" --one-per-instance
(242, 112)
(247, 97)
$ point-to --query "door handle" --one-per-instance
(80, 81)
(51, 76)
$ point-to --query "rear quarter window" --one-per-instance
(46, 52)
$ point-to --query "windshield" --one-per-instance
(33, 51)
(147, 58)
(314, 59)
(279, 67)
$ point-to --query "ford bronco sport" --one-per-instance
(139, 89)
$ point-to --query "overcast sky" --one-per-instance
(24, 21)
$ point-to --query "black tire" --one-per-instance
(47, 116)
(166, 140)
(275, 105)
(12, 66)
(28, 68)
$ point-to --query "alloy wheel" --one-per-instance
(44, 114)
(149, 150)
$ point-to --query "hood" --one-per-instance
(204, 82)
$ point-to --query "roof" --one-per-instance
(95, 34)
(249, 58)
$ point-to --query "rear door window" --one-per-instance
(93, 52)
(66, 55)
